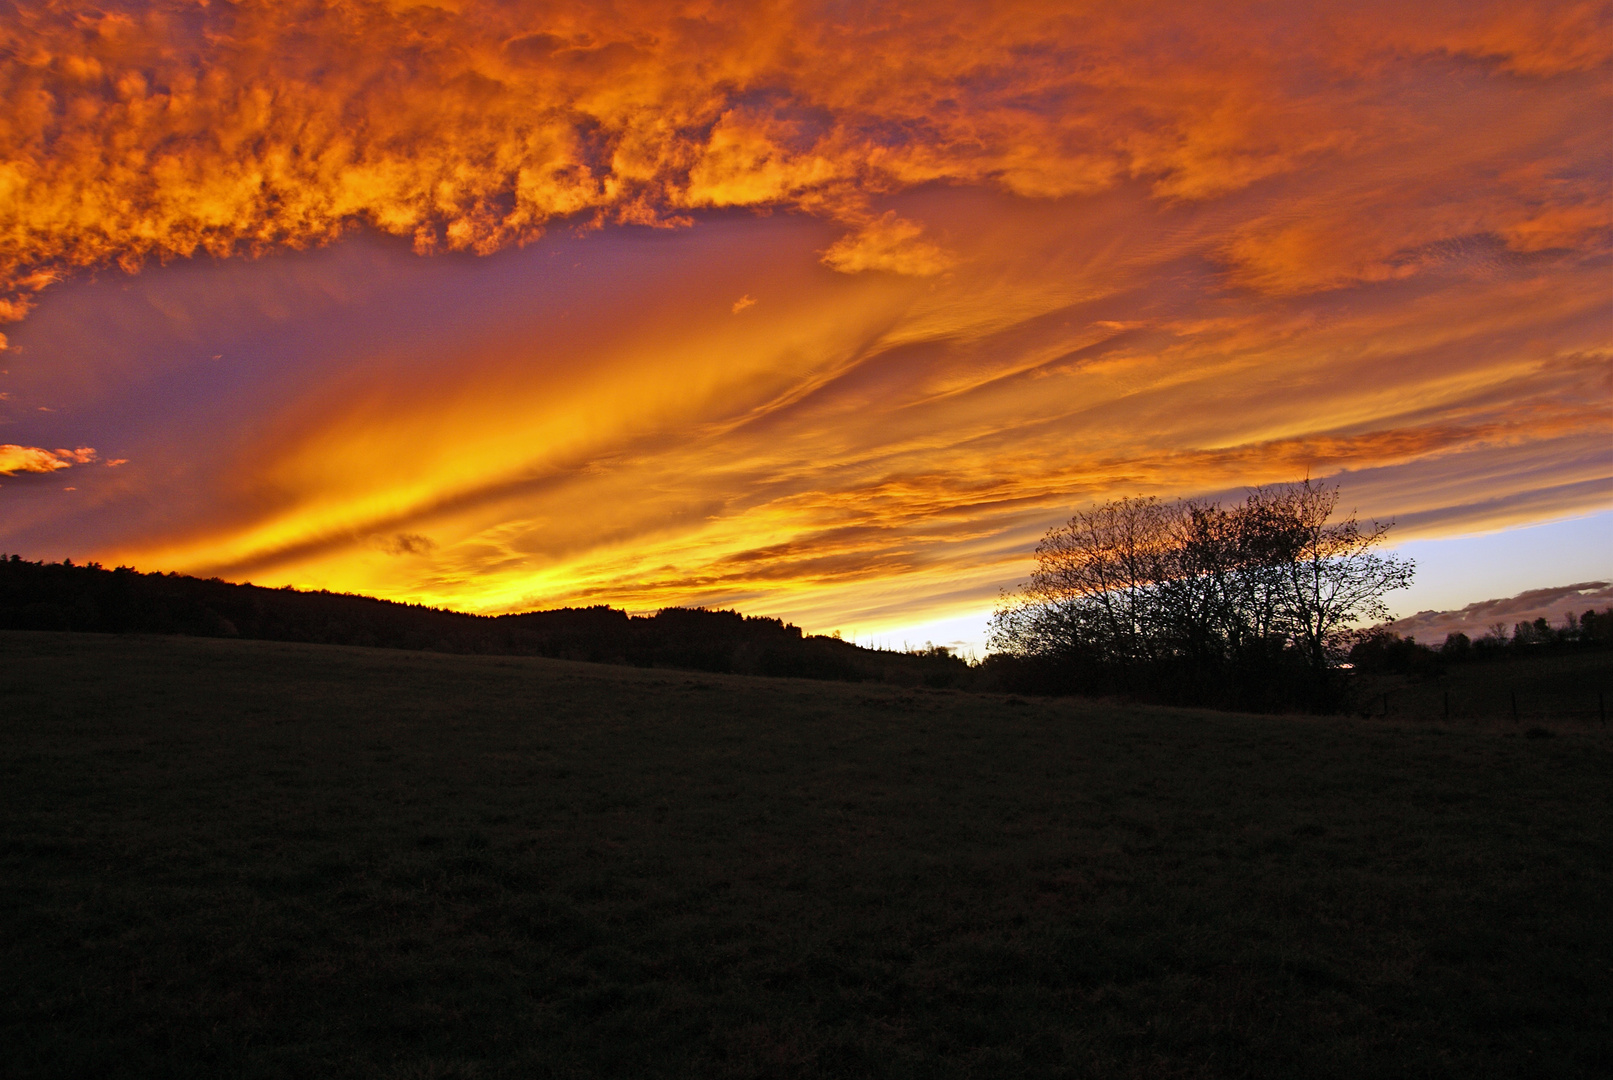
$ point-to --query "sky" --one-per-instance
(823, 311)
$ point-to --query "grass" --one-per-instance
(250, 859)
(1573, 690)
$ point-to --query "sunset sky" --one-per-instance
(825, 311)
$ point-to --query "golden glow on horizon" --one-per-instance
(1019, 256)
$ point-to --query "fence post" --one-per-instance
(1447, 704)
(1386, 704)
(1601, 708)
(1514, 706)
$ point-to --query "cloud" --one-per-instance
(33, 459)
(742, 303)
(141, 131)
(408, 544)
(891, 244)
(878, 449)
(1476, 619)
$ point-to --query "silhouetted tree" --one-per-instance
(1457, 646)
(1332, 578)
(1200, 600)
(1094, 586)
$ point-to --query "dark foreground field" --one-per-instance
(1572, 691)
(229, 858)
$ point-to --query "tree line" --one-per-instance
(1249, 605)
(62, 596)
(1380, 650)
(1254, 605)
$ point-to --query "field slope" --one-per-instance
(233, 858)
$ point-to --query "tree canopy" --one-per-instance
(1207, 599)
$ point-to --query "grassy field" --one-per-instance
(248, 859)
(1559, 692)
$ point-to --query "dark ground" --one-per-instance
(234, 858)
(1568, 691)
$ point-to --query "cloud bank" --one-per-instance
(1478, 619)
(163, 129)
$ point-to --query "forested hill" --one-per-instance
(62, 596)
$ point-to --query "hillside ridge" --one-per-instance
(89, 597)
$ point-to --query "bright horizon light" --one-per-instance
(1451, 573)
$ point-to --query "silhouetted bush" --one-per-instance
(1379, 651)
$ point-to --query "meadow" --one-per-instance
(1563, 690)
(230, 858)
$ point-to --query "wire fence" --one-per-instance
(1506, 705)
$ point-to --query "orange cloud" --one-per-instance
(33, 459)
(888, 243)
(164, 129)
(881, 446)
